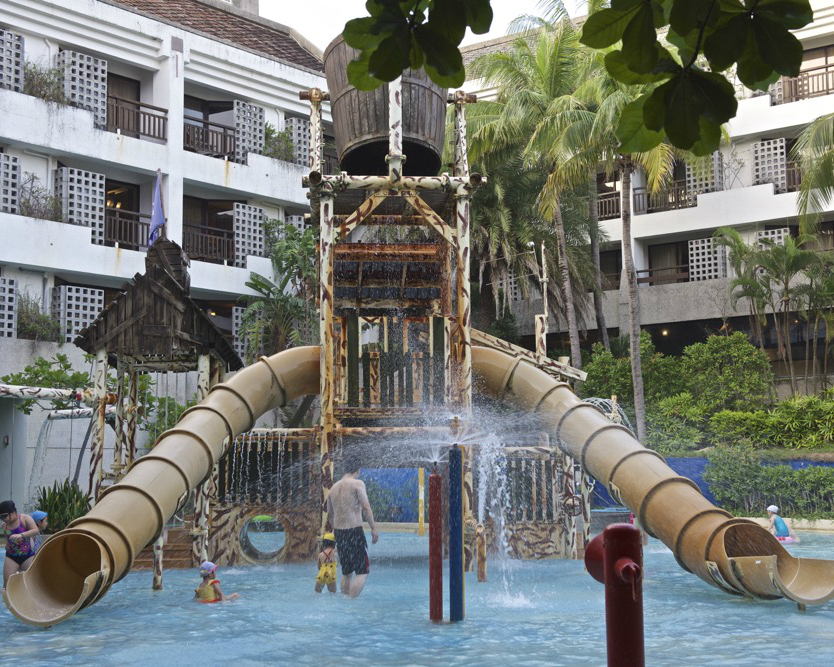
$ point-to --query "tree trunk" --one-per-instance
(570, 313)
(594, 234)
(815, 351)
(807, 348)
(787, 337)
(633, 306)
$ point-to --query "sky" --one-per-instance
(322, 20)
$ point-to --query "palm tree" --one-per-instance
(588, 141)
(745, 283)
(814, 151)
(280, 313)
(782, 264)
(535, 81)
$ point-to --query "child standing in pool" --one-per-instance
(327, 562)
(209, 589)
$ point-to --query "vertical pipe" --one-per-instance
(327, 347)
(586, 487)
(395, 158)
(97, 437)
(202, 494)
(464, 309)
(375, 376)
(157, 564)
(438, 361)
(541, 335)
(615, 559)
(480, 550)
(456, 604)
(545, 309)
(421, 502)
(352, 341)
(132, 407)
(435, 546)
(119, 448)
(366, 379)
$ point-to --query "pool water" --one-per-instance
(528, 613)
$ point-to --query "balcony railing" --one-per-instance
(209, 244)
(610, 281)
(608, 205)
(811, 83)
(674, 197)
(209, 138)
(664, 276)
(136, 119)
(129, 229)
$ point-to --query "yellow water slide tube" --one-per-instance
(736, 555)
(77, 566)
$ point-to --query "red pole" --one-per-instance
(615, 558)
(435, 546)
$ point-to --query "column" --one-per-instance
(97, 435)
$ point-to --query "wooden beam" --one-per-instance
(434, 220)
(355, 219)
(548, 365)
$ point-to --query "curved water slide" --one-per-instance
(736, 555)
(75, 568)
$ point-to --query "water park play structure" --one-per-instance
(397, 360)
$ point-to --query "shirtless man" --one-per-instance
(347, 502)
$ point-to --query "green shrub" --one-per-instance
(64, 502)
(505, 328)
(32, 324)
(676, 423)
(278, 145)
(44, 82)
(744, 484)
(729, 428)
(727, 373)
(611, 375)
(37, 202)
(803, 422)
(56, 373)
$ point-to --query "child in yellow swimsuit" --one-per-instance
(327, 562)
(209, 589)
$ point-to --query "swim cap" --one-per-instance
(207, 567)
(773, 508)
(329, 536)
(39, 515)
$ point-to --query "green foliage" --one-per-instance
(44, 82)
(400, 34)
(729, 428)
(64, 502)
(703, 38)
(743, 484)
(727, 372)
(56, 373)
(609, 375)
(505, 328)
(676, 424)
(32, 324)
(800, 422)
(162, 414)
(280, 314)
(278, 145)
(36, 200)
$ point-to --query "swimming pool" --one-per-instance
(528, 613)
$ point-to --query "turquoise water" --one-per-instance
(529, 613)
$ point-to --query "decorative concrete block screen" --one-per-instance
(82, 199)
(770, 164)
(249, 130)
(296, 221)
(238, 341)
(9, 184)
(708, 180)
(11, 61)
(776, 236)
(85, 83)
(8, 310)
(513, 288)
(299, 129)
(707, 260)
(75, 308)
(777, 92)
(249, 233)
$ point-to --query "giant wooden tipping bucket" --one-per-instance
(360, 119)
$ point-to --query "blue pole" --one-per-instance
(456, 608)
